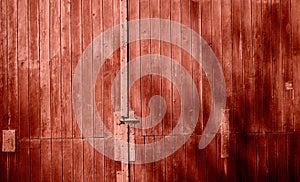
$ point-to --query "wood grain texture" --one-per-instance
(256, 43)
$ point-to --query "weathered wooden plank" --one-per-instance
(87, 67)
(76, 40)
(288, 123)
(155, 49)
(206, 25)
(197, 72)
(88, 161)
(78, 160)
(257, 62)
(149, 156)
(45, 69)
(201, 162)
(169, 160)
(231, 172)
(34, 71)
(252, 172)
(295, 12)
(281, 155)
(56, 160)
(211, 160)
(3, 86)
(166, 84)
(145, 49)
(237, 69)
(24, 160)
(191, 148)
(46, 166)
(277, 67)
(55, 69)
(13, 80)
(67, 158)
(35, 160)
(179, 169)
(242, 157)
(267, 124)
(159, 169)
(66, 70)
(261, 157)
(99, 160)
(23, 68)
(175, 74)
(227, 52)
(246, 31)
(97, 20)
(272, 156)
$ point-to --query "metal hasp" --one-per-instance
(128, 120)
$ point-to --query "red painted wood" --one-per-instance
(278, 87)
(57, 160)
(256, 42)
(267, 124)
(34, 71)
(247, 43)
(295, 56)
(45, 69)
(55, 69)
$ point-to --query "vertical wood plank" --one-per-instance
(272, 156)
(46, 167)
(149, 156)
(252, 172)
(282, 157)
(197, 72)
(261, 157)
(57, 160)
(169, 161)
(76, 46)
(23, 68)
(159, 169)
(206, 33)
(237, 68)
(108, 20)
(66, 70)
(45, 69)
(257, 63)
(99, 160)
(246, 31)
(13, 79)
(155, 49)
(176, 54)
(145, 49)
(201, 162)
(3, 84)
(35, 160)
(288, 123)
(78, 159)
(67, 157)
(88, 152)
(211, 160)
(227, 52)
(55, 69)
(97, 20)
(166, 84)
(267, 123)
(296, 56)
(191, 159)
(242, 157)
(24, 160)
(277, 66)
(34, 70)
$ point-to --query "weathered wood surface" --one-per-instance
(256, 42)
